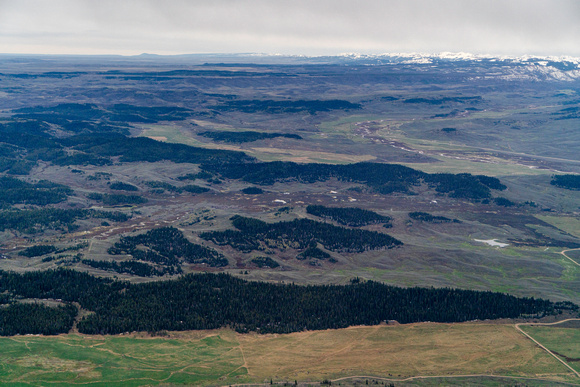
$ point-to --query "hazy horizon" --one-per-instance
(321, 28)
(444, 54)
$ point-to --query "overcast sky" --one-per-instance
(308, 27)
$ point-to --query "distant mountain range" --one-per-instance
(561, 68)
(522, 68)
(526, 68)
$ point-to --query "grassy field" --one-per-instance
(568, 224)
(199, 358)
(224, 357)
(574, 255)
(168, 133)
(564, 342)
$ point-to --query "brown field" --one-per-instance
(423, 353)
(397, 351)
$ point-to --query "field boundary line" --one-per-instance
(406, 379)
(517, 326)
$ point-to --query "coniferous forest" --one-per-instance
(382, 178)
(209, 301)
(167, 246)
(348, 216)
(247, 136)
(253, 233)
(571, 182)
(35, 220)
(22, 319)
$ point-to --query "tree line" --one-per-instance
(247, 136)
(134, 149)
(39, 250)
(37, 220)
(133, 267)
(160, 186)
(210, 301)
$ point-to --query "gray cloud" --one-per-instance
(290, 27)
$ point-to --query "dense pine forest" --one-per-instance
(23, 319)
(567, 181)
(426, 217)
(132, 149)
(166, 246)
(252, 191)
(36, 220)
(209, 301)
(133, 267)
(254, 233)
(246, 136)
(265, 262)
(40, 250)
(278, 107)
(382, 178)
(117, 199)
(15, 191)
(90, 143)
(348, 216)
(313, 252)
(67, 113)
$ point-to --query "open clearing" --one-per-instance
(224, 357)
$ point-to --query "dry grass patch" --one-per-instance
(397, 351)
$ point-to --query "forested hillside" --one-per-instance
(209, 301)
(383, 178)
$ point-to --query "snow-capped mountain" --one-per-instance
(535, 68)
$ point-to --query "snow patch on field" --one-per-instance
(492, 242)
